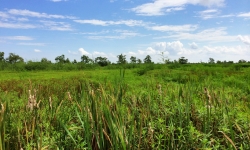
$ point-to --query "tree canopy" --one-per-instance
(13, 58)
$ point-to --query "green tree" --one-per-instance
(67, 60)
(211, 61)
(74, 62)
(45, 60)
(175, 62)
(138, 61)
(102, 61)
(13, 58)
(121, 59)
(60, 59)
(242, 61)
(2, 57)
(147, 59)
(132, 59)
(218, 62)
(85, 59)
(182, 60)
(164, 59)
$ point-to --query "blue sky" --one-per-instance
(195, 29)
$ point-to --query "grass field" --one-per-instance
(147, 107)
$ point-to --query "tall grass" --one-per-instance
(166, 109)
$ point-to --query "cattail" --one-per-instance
(50, 102)
(2, 113)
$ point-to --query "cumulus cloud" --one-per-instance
(215, 35)
(244, 39)
(37, 50)
(176, 49)
(96, 53)
(193, 45)
(83, 52)
(160, 7)
(156, 49)
(235, 50)
(148, 51)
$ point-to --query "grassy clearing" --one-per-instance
(188, 107)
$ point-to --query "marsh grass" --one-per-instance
(162, 109)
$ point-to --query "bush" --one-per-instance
(36, 66)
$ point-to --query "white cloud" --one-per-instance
(37, 50)
(32, 44)
(176, 49)
(58, 0)
(4, 15)
(83, 52)
(94, 33)
(131, 53)
(105, 37)
(193, 45)
(21, 38)
(60, 26)
(119, 34)
(29, 13)
(108, 23)
(160, 7)
(160, 46)
(225, 50)
(209, 13)
(245, 15)
(17, 25)
(174, 28)
(148, 51)
(71, 52)
(96, 53)
(174, 9)
(244, 39)
(93, 21)
(215, 35)
(22, 19)
(156, 49)
(127, 33)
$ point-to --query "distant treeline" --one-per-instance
(16, 63)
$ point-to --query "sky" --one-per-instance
(194, 29)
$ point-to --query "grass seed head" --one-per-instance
(32, 101)
(69, 97)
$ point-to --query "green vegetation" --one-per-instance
(125, 105)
